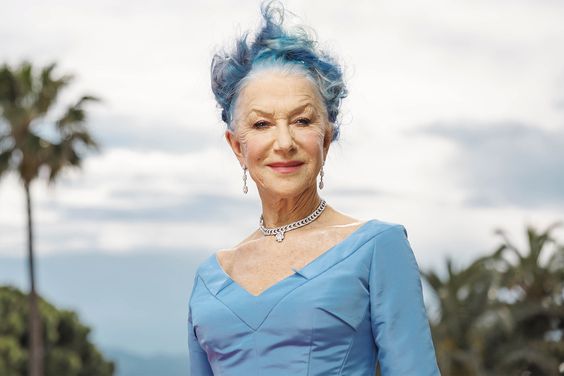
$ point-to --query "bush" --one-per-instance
(68, 351)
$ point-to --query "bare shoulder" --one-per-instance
(227, 256)
(338, 220)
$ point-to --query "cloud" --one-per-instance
(141, 134)
(149, 206)
(505, 163)
(367, 192)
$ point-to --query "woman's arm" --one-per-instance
(199, 364)
(399, 321)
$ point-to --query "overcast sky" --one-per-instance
(454, 125)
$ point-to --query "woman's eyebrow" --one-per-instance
(260, 112)
(307, 106)
(297, 110)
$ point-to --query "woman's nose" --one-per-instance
(284, 137)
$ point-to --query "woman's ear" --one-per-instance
(327, 140)
(235, 145)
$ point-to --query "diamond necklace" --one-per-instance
(279, 231)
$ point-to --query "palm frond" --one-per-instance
(75, 115)
(49, 89)
(508, 245)
(8, 88)
(527, 356)
(5, 158)
(25, 79)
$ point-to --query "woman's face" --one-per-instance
(281, 132)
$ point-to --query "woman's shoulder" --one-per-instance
(373, 225)
(222, 258)
(235, 248)
(379, 226)
(391, 246)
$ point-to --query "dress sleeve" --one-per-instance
(399, 320)
(199, 364)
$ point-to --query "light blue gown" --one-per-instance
(357, 303)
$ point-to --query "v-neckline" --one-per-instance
(315, 260)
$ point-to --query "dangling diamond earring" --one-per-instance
(245, 189)
(321, 177)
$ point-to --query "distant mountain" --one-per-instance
(134, 302)
(130, 364)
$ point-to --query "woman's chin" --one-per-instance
(287, 190)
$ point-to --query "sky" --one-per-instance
(454, 125)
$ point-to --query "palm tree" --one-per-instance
(532, 281)
(504, 313)
(26, 99)
(462, 297)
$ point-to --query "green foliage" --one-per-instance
(27, 98)
(504, 313)
(68, 351)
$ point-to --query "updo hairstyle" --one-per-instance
(275, 47)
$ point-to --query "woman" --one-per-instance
(312, 291)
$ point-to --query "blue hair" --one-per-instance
(275, 47)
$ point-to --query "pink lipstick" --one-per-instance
(286, 167)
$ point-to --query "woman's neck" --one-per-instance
(282, 211)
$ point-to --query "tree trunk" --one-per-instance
(35, 358)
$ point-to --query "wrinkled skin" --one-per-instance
(279, 116)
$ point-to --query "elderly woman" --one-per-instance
(312, 291)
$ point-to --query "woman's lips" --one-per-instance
(285, 168)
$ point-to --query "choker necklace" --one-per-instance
(279, 231)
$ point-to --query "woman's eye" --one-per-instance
(260, 124)
(303, 121)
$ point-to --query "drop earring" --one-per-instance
(321, 176)
(245, 188)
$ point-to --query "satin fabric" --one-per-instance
(357, 303)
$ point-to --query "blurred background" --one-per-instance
(454, 127)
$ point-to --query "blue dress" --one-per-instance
(357, 303)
